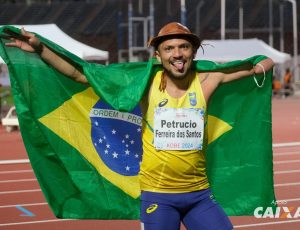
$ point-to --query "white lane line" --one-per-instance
(287, 144)
(16, 171)
(14, 181)
(288, 200)
(287, 171)
(34, 222)
(287, 184)
(23, 205)
(267, 223)
(286, 162)
(20, 161)
(20, 191)
(286, 153)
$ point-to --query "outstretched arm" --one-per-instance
(248, 70)
(30, 43)
(211, 80)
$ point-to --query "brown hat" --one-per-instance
(174, 29)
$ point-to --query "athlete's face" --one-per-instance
(176, 56)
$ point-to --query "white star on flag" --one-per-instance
(115, 155)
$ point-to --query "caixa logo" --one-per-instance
(277, 212)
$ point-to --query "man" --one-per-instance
(287, 83)
(173, 178)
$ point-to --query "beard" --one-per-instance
(174, 74)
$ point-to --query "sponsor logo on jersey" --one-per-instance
(163, 102)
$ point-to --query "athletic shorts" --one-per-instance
(196, 210)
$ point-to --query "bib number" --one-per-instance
(178, 129)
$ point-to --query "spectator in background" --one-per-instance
(276, 87)
(287, 83)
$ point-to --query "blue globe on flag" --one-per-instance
(116, 137)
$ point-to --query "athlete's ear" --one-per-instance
(157, 55)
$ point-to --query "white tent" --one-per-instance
(55, 34)
(238, 49)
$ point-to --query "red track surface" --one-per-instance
(20, 192)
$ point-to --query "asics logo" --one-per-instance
(151, 208)
(163, 102)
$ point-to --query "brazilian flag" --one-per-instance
(84, 141)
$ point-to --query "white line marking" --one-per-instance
(14, 181)
(287, 184)
(16, 171)
(20, 161)
(20, 191)
(23, 205)
(286, 162)
(34, 222)
(288, 200)
(266, 223)
(286, 153)
(287, 144)
(288, 171)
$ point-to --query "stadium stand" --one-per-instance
(96, 22)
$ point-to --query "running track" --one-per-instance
(22, 205)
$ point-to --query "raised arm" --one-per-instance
(30, 43)
(211, 80)
(248, 70)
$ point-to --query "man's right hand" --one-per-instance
(26, 41)
(29, 42)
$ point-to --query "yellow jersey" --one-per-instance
(172, 171)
